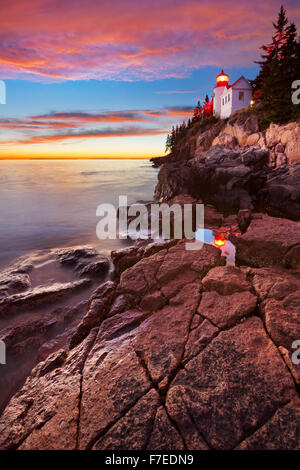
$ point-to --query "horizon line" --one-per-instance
(77, 158)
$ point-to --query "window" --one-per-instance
(223, 101)
(228, 98)
(241, 95)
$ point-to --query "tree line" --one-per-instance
(279, 67)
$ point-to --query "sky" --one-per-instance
(108, 79)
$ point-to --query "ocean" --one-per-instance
(46, 204)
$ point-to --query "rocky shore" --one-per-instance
(170, 349)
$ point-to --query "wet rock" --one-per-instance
(38, 295)
(71, 256)
(99, 267)
(12, 283)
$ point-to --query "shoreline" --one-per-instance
(164, 326)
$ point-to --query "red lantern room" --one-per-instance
(222, 79)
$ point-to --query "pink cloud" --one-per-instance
(128, 40)
(35, 129)
(88, 134)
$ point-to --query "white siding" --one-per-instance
(226, 108)
(218, 91)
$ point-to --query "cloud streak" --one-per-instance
(130, 40)
(74, 125)
(88, 134)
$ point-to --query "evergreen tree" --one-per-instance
(168, 143)
(278, 69)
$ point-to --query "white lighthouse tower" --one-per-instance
(219, 89)
(230, 98)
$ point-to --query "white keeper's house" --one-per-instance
(229, 98)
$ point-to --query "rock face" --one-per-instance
(177, 355)
(269, 241)
(233, 180)
(42, 299)
(239, 132)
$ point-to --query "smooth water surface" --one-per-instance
(52, 203)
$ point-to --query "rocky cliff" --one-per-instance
(179, 349)
(182, 353)
(239, 132)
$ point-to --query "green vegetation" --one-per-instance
(272, 88)
(279, 68)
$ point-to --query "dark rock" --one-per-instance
(12, 283)
(99, 267)
(280, 194)
(71, 256)
(244, 219)
(41, 294)
(255, 157)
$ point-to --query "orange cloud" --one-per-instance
(78, 121)
(88, 134)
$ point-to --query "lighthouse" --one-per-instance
(230, 98)
(220, 87)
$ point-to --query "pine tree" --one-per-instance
(277, 71)
(168, 143)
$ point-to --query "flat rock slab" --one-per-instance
(269, 241)
(173, 357)
(233, 387)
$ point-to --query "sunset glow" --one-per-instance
(81, 83)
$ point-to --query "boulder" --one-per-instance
(279, 294)
(268, 242)
(238, 131)
(225, 140)
(272, 135)
(280, 195)
(255, 156)
(281, 159)
(292, 149)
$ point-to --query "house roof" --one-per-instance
(239, 79)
